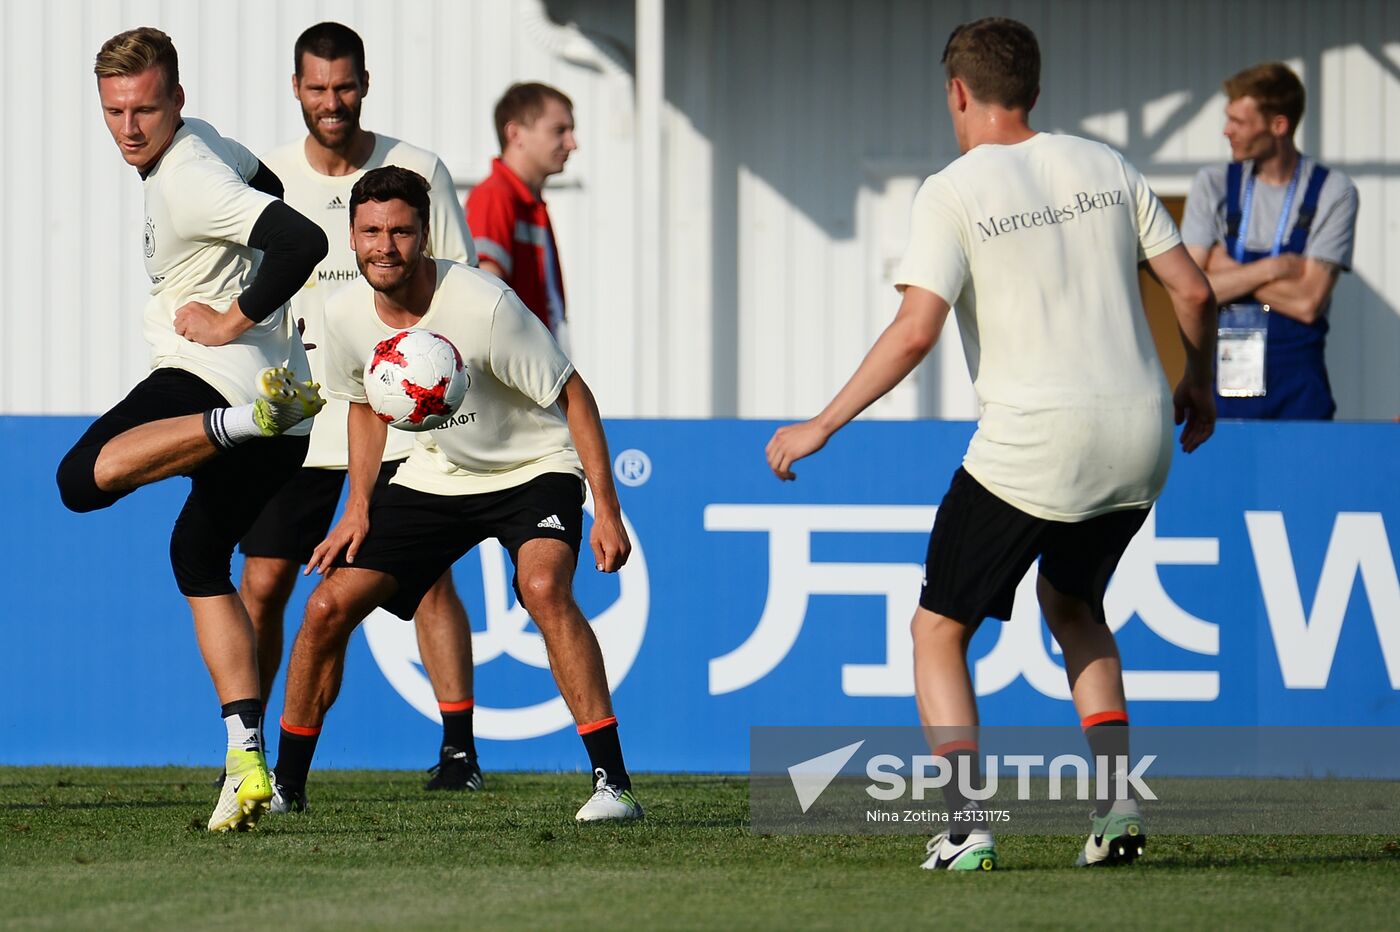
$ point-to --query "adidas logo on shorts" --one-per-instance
(552, 522)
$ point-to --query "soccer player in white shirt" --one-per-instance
(510, 465)
(318, 171)
(1036, 240)
(229, 396)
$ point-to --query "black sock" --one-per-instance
(249, 711)
(1108, 742)
(605, 751)
(966, 771)
(457, 731)
(294, 753)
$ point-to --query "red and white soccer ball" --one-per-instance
(415, 380)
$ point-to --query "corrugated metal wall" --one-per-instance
(71, 283)
(795, 134)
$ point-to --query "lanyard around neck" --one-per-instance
(1248, 207)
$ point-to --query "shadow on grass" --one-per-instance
(114, 804)
(734, 823)
(1271, 859)
(66, 785)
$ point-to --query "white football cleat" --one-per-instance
(976, 852)
(1117, 837)
(609, 803)
(285, 801)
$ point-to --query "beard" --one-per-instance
(335, 138)
(390, 280)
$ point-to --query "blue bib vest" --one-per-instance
(1295, 369)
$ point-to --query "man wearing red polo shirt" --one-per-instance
(508, 219)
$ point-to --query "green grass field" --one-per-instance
(84, 848)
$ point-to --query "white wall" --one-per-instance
(795, 132)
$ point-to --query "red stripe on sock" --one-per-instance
(953, 747)
(303, 730)
(462, 706)
(1101, 718)
(598, 725)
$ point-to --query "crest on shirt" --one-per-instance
(149, 240)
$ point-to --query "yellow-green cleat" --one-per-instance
(246, 794)
(286, 401)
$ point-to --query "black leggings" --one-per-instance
(226, 493)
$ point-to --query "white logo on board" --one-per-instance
(1305, 638)
(632, 467)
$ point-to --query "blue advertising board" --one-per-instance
(1263, 590)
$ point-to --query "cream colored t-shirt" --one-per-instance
(200, 212)
(510, 427)
(326, 200)
(1037, 247)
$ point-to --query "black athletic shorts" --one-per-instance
(225, 493)
(299, 516)
(982, 546)
(415, 536)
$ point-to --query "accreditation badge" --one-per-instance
(1241, 343)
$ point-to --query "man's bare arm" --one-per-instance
(1231, 280)
(609, 540)
(368, 435)
(1194, 305)
(1303, 297)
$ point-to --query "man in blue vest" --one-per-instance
(1273, 227)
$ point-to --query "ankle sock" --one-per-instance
(226, 428)
(243, 719)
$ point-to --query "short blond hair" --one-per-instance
(132, 52)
